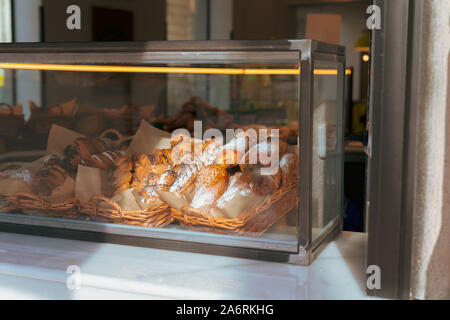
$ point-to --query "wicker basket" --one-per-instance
(254, 222)
(89, 122)
(156, 216)
(11, 125)
(40, 123)
(33, 204)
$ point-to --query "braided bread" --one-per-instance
(105, 160)
(82, 149)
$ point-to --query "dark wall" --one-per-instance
(262, 19)
(134, 20)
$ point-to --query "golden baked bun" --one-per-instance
(212, 181)
(228, 158)
(120, 175)
(186, 175)
(160, 156)
(212, 175)
(141, 169)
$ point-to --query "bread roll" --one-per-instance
(81, 150)
(212, 181)
(48, 178)
(238, 198)
(182, 189)
(105, 160)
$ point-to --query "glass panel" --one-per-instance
(327, 146)
(231, 171)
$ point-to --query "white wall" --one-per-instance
(27, 29)
(221, 19)
(186, 19)
(5, 21)
(221, 25)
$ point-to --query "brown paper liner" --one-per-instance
(59, 138)
(147, 139)
(88, 183)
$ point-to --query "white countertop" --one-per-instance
(34, 267)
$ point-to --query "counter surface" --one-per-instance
(34, 267)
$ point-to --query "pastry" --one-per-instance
(160, 156)
(188, 151)
(228, 158)
(147, 172)
(160, 176)
(166, 179)
(120, 175)
(50, 176)
(15, 180)
(211, 149)
(82, 149)
(212, 181)
(194, 109)
(182, 189)
(105, 160)
(147, 192)
(141, 169)
(239, 197)
(265, 153)
(186, 174)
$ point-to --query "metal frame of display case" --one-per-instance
(306, 52)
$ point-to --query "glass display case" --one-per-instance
(222, 147)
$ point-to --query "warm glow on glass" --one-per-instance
(105, 68)
(365, 57)
(143, 69)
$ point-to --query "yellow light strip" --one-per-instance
(97, 68)
(141, 69)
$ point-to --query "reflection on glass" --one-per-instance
(210, 148)
(327, 155)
